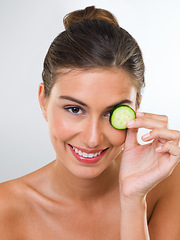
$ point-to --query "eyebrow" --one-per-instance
(125, 101)
(73, 100)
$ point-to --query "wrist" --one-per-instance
(130, 196)
(137, 200)
(134, 205)
(133, 215)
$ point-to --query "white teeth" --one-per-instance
(86, 155)
(80, 153)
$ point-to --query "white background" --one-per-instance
(27, 29)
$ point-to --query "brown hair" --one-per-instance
(93, 39)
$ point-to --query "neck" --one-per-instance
(67, 185)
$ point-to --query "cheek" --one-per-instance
(117, 137)
(60, 128)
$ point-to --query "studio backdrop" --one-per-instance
(27, 28)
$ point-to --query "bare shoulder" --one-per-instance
(165, 218)
(12, 205)
(17, 202)
(10, 194)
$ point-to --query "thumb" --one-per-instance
(131, 138)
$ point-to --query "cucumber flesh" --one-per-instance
(120, 115)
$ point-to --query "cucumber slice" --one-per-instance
(120, 115)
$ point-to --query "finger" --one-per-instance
(162, 118)
(131, 138)
(161, 140)
(149, 123)
(169, 148)
(163, 134)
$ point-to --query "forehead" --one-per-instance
(95, 77)
(96, 83)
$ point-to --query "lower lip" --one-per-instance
(87, 160)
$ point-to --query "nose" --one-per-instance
(92, 134)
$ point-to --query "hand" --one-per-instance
(144, 166)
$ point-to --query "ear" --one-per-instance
(139, 102)
(140, 99)
(42, 100)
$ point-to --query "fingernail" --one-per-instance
(159, 149)
(130, 123)
(147, 135)
(139, 114)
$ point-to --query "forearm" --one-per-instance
(133, 219)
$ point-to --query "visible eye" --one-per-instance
(74, 110)
(107, 114)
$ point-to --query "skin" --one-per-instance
(125, 195)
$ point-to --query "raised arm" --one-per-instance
(142, 168)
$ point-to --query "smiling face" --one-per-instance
(77, 112)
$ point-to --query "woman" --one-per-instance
(103, 184)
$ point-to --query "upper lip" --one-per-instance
(89, 151)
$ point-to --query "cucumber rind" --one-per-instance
(120, 115)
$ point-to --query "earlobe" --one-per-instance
(140, 99)
(42, 100)
(139, 102)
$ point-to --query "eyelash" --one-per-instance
(107, 113)
(70, 110)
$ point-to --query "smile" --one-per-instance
(87, 156)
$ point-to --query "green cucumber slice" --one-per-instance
(120, 115)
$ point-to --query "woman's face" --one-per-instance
(77, 112)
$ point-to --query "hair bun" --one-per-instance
(90, 13)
